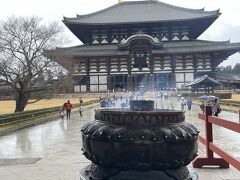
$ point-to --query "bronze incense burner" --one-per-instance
(131, 143)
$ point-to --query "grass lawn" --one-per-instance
(235, 98)
(9, 106)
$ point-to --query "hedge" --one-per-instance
(229, 103)
(219, 95)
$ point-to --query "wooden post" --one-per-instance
(129, 82)
(208, 131)
(151, 78)
(88, 75)
(239, 116)
(109, 79)
(114, 83)
(209, 160)
(135, 83)
(109, 84)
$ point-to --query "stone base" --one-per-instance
(94, 172)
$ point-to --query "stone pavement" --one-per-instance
(52, 151)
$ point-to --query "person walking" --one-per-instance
(202, 106)
(182, 102)
(61, 112)
(189, 104)
(80, 109)
(121, 98)
(68, 107)
(216, 109)
(80, 101)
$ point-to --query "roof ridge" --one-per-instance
(187, 9)
(69, 47)
(225, 73)
(202, 40)
(100, 11)
(228, 42)
(113, 6)
(145, 2)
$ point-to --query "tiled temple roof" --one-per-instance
(203, 80)
(195, 46)
(222, 77)
(141, 11)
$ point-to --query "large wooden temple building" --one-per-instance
(141, 42)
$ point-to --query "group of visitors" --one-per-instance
(183, 103)
(67, 106)
(109, 102)
(215, 107)
(112, 102)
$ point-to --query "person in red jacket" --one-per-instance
(68, 107)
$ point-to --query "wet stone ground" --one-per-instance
(52, 151)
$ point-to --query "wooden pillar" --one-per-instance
(208, 130)
(151, 78)
(129, 82)
(129, 77)
(114, 83)
(214, 62)
(88, 75)
(109, 79)
(173, 67)
(135, 83)
(173, 63)
(194, 66)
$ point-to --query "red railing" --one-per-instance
(225, 158)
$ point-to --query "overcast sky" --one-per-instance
(226, 27)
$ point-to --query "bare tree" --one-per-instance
(22, 64)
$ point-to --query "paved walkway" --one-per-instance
(52, 151)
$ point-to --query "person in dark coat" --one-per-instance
(189, 104)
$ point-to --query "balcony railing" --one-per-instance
(225, 158)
